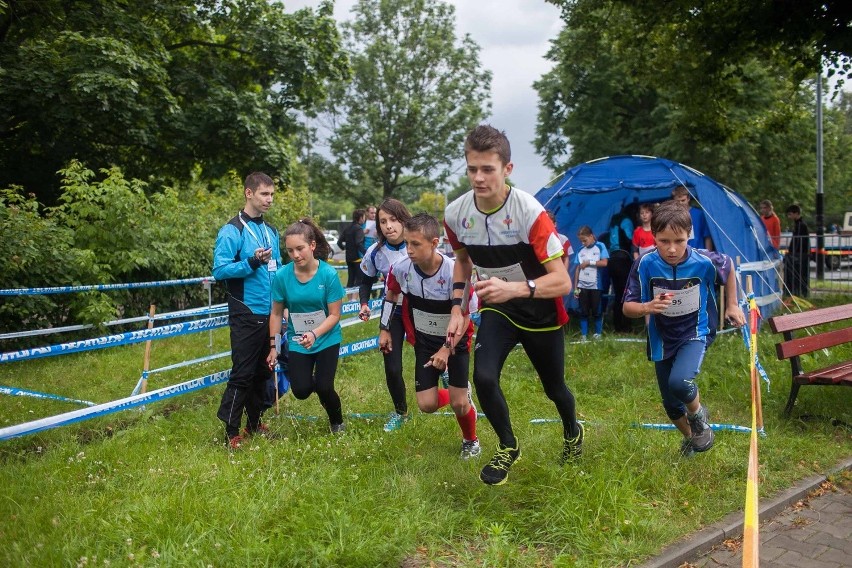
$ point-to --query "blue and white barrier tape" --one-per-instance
(112, 407)
(148, 398)
(191, 362)
(761, 371)
(218, 308)
(358, 346)
(99, 287)
(202, 311)
(115, 340)
(350, 307)
(12, 391)
(667, 426)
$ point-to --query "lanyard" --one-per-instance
(267, 239)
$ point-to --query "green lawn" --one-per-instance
(157, 487)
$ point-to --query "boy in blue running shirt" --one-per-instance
(674, 286)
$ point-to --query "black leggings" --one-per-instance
(546, 351)
(619, 266)
(353, 274)
(315, 372)
(393, 365)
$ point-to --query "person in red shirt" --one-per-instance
(771, 221)
(643, 238)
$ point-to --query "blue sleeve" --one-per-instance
(633, 290)
(368, 265)
(724, 265)
(604, 251)
(228, 243)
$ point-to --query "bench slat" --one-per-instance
(834, 375)
(802, 345)
(791, 322)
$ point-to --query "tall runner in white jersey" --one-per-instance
(424, 282)
(504, 237)
(377, 262)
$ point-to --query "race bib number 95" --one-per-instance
(685, 301)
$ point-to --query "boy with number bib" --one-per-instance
(425, 280)
(675, 286)
(505, 236)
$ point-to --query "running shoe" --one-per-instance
(497, 470)
(596, 337)
(583, 339)
(338, 428)
(702, 434)
(686, 450)
(470, 449)
(396, 421)
(572, 448)
(235, 442)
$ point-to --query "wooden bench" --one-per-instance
(791, 348)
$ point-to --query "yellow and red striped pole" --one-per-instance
(751, 540)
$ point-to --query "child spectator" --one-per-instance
(590, 258)
(643, 238)
(675, 286)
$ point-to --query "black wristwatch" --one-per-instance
(531, 286)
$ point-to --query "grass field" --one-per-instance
(158, 488)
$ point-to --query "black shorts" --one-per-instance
(425, 378)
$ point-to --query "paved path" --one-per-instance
(815, 532)
(808, 526)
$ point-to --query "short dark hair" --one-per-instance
(585, 230)
(309, 230)
(486, 138)
(680, 190)
(257, 179)
(358, 215)
(671, 215)
(647, 207)
(794, 209)
(425, 224)
(396, 208)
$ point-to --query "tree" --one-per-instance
(615, 90)
(164, 90)
(415, 93)
(719, 33)
(837, 146)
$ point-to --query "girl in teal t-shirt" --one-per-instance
(311, 291)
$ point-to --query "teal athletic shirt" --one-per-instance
(312, 297)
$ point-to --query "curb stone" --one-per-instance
(731, 525)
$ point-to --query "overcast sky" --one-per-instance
(513, 36)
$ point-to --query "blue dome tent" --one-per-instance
(591, 193)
